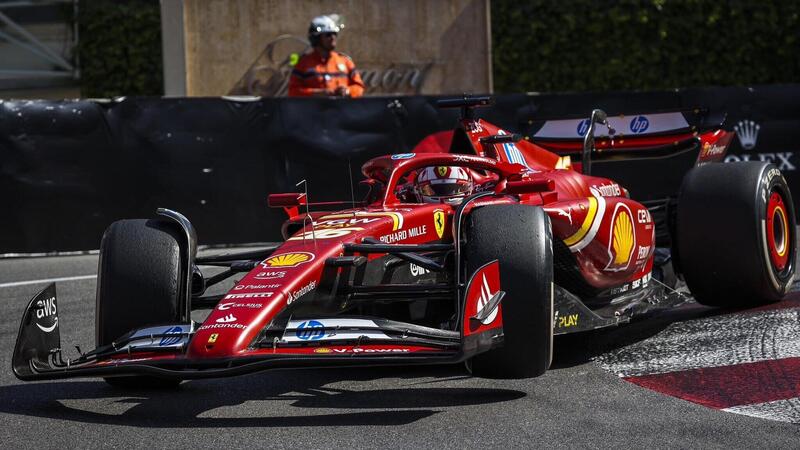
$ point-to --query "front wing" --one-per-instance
(160, 351)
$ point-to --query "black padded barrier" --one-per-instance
(70, 168)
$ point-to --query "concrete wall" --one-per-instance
(401, 46)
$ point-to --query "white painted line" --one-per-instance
(47, 280)
(787, 410)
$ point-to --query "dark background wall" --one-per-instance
(585, 45)
(68, 169)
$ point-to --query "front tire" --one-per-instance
(520, 237)
(138, 284)
(736, 235)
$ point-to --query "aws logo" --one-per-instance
(622, 239)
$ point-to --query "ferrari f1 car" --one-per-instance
(479, 255)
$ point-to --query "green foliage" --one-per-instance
(120, 48)
(586, 45)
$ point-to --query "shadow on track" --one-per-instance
(298, 393)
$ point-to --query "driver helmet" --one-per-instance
(323, 24)
(443, 184)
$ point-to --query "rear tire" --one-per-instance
(736, 234)
(520, 237)
(138, 284)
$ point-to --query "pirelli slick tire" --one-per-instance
(138, 284)
(736, 235)
(520, 237)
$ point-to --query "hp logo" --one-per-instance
(583, 127)
(311, 330)
(639, 124)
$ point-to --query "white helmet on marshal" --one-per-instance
(443, 184)
(325, 24)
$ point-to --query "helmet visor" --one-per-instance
(444, 189)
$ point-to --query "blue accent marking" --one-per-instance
(171, 340)
(403, 156)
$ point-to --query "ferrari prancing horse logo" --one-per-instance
(442, 170)
(438, 222)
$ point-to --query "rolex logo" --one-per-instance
(747, 131)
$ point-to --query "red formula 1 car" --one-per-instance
(477, 255)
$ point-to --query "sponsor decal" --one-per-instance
(561, 212)
(250, 295)
(583, 127)
(639, 124)
(227, 319)
(643, 252)
(215, 326)
(171, 340)
(397, 218)
(256, 286)
(213, 338)
(442, 171)
(227, 306)
(641, 282)
(771, 173)
(325, 233)
(712, 149)
(300, 292)
(782, 159)
(310, 330)
(438, 222)
(747, 132)
(417, 270)
(621, 239)
(342, 223)
(44, 309)
(322, 350)
(570, 320)
(401, 235)
(370, 350)
(483, 300)
(293, 259)
(609, 190)
(403, 156)
(271, 275)
(643, 216)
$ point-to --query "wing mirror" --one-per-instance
(530, 186)
(286, 200)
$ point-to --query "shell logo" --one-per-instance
(622, 240)
(293, 259)
(322, 350)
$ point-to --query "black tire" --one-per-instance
(520, 237)
(138, 284)
(730, 233)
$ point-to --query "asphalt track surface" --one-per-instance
(596, 395)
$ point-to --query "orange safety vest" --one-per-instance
(312, 73)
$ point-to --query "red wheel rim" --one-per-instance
(777, 231)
